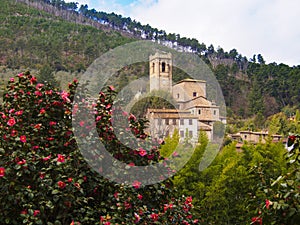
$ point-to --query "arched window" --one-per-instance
(153, 67)
(163, 67)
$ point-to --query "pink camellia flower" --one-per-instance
(70, 179)
(47, 158)
(36, 212)
(33, 79)
(81, 123)
(136, 184)
(140, 196)
(52, 123)
(132, 117)
(137, 217)
(61, 184)
(19, 113)
(65, 96)
(38, 93)
(42, 175)
(2, 171)
(60, 158)
(39, 85)
(11, 121)
(12, 79)
(112, 88)
(42, 111)
(142, 152)
(131, 164)
(154, 216)
(21, 162)
(268, 203)
(23, 138)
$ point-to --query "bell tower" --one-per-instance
(160, 71)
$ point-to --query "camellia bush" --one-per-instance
(282, 205)
(44, 179)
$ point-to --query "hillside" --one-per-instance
(66, 39)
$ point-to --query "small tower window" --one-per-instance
(153, 67)
(199, 111)
(178, 95)
(163, 67)
(194, 94)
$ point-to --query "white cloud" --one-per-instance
(250, 26)
(269, 27)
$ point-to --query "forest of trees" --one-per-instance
(68, 37)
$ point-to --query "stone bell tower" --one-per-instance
(160, 71)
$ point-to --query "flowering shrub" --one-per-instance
(283, 203)
(44, 179)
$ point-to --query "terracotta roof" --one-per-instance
(190, 80)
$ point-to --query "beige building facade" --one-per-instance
(191, 101)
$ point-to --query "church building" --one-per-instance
(194, 111)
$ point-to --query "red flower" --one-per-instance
(42, 111)
(61, 184)
(256, 220)
(140, 196)
(81, 123)
(2, 171)
(42, 175)
(36, 212)
(70, 179)
(21, 162)
(12, 79)
(65, 96)
(292, 138)
(11, 121)
(52, 123)
(268, 203)
(19, 113)
(77, 185)
(23, 138)
(112, 88)
(60, 158)
(33, 79)
(136, 184)
(142, 152)
(47, 158)
(38, 93)
(154, 216)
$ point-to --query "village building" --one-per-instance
(255, 137)
(192, 106)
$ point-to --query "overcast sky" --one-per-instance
(268, 27)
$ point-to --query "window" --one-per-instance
(215, 112)
(153, 67)
(190, 133)
(181, 121)
(163, 67)
(199, 111)
(182, 133)
(167, 121)
(194, 94)
(174, 121)
(177, 95)
(190, 122)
